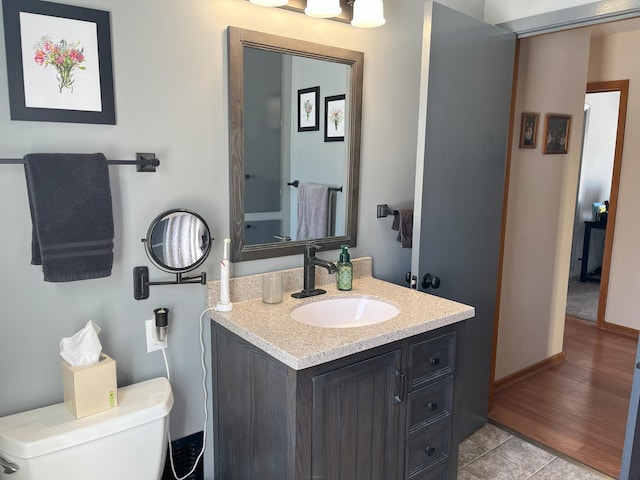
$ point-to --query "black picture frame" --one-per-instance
(529, 130)
(335, 117)
(556, 133)
(83, 35)
(309, 109)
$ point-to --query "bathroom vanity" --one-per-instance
(294, 401)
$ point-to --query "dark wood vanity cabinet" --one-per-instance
(383, 414)
(355, 420)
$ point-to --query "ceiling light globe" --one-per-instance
(323, 8)
(368, 13)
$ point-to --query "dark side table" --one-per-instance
(588, 226)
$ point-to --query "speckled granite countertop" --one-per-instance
(270, 327)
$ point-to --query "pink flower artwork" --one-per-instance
(64, 56)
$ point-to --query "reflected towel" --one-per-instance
(71, 212)
(182, 240)
(313, 211)
(403, 222)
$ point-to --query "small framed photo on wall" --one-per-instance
(308, 109)
(556, 133)
(529, 130)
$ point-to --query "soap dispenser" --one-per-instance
(344, 276)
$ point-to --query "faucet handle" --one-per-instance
(311, 249)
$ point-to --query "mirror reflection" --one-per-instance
(178, 241)
(295, 110)
(294, 172)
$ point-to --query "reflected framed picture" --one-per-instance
(308, 109)
(59, 62)
(556, 133)
(529, 130)
(334, 118)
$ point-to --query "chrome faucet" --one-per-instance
(310, 261)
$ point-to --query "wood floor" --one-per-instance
(579, 407)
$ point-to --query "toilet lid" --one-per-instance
(49, 429)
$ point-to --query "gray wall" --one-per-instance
(170, 81)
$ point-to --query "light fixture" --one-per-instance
(323, 8)
(269, 3)
(368, 13)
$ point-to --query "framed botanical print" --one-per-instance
(334, 118)
(59, 62)
(309, 109)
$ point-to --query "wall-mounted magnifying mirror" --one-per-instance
(294, 130)
(178, 241)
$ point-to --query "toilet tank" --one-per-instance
(126, 442)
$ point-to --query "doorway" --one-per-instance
(621, 87)
(556, 370)
(594, 222)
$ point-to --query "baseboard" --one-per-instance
(185, 452)
(531, 370)
(622, 330)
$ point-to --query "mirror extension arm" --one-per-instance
(141, 281)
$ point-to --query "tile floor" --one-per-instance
(492, 453)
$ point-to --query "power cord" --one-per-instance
(206, 413)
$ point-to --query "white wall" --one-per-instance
(499, 11)
(613, 57)
(542, 193)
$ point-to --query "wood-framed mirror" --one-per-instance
(281, 154)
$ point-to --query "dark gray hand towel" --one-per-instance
(403, 222)
(313, 211)
(70, 201)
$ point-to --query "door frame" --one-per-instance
(621, 86)
(503, 232)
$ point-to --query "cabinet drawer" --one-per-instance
(428, 446)
(432, 359)
(437, 472)
(430, 403)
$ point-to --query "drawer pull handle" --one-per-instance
(434, 361)
(432, 406)
(400, 397)
(430, 451)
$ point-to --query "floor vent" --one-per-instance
(185, 452)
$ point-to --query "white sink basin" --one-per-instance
(344, 312)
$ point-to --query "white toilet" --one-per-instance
(126, 442)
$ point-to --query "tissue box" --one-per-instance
(92, 388)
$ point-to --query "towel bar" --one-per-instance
(385, 211)
(146, 162)
(296, 183)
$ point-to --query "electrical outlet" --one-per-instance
(152, 343)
